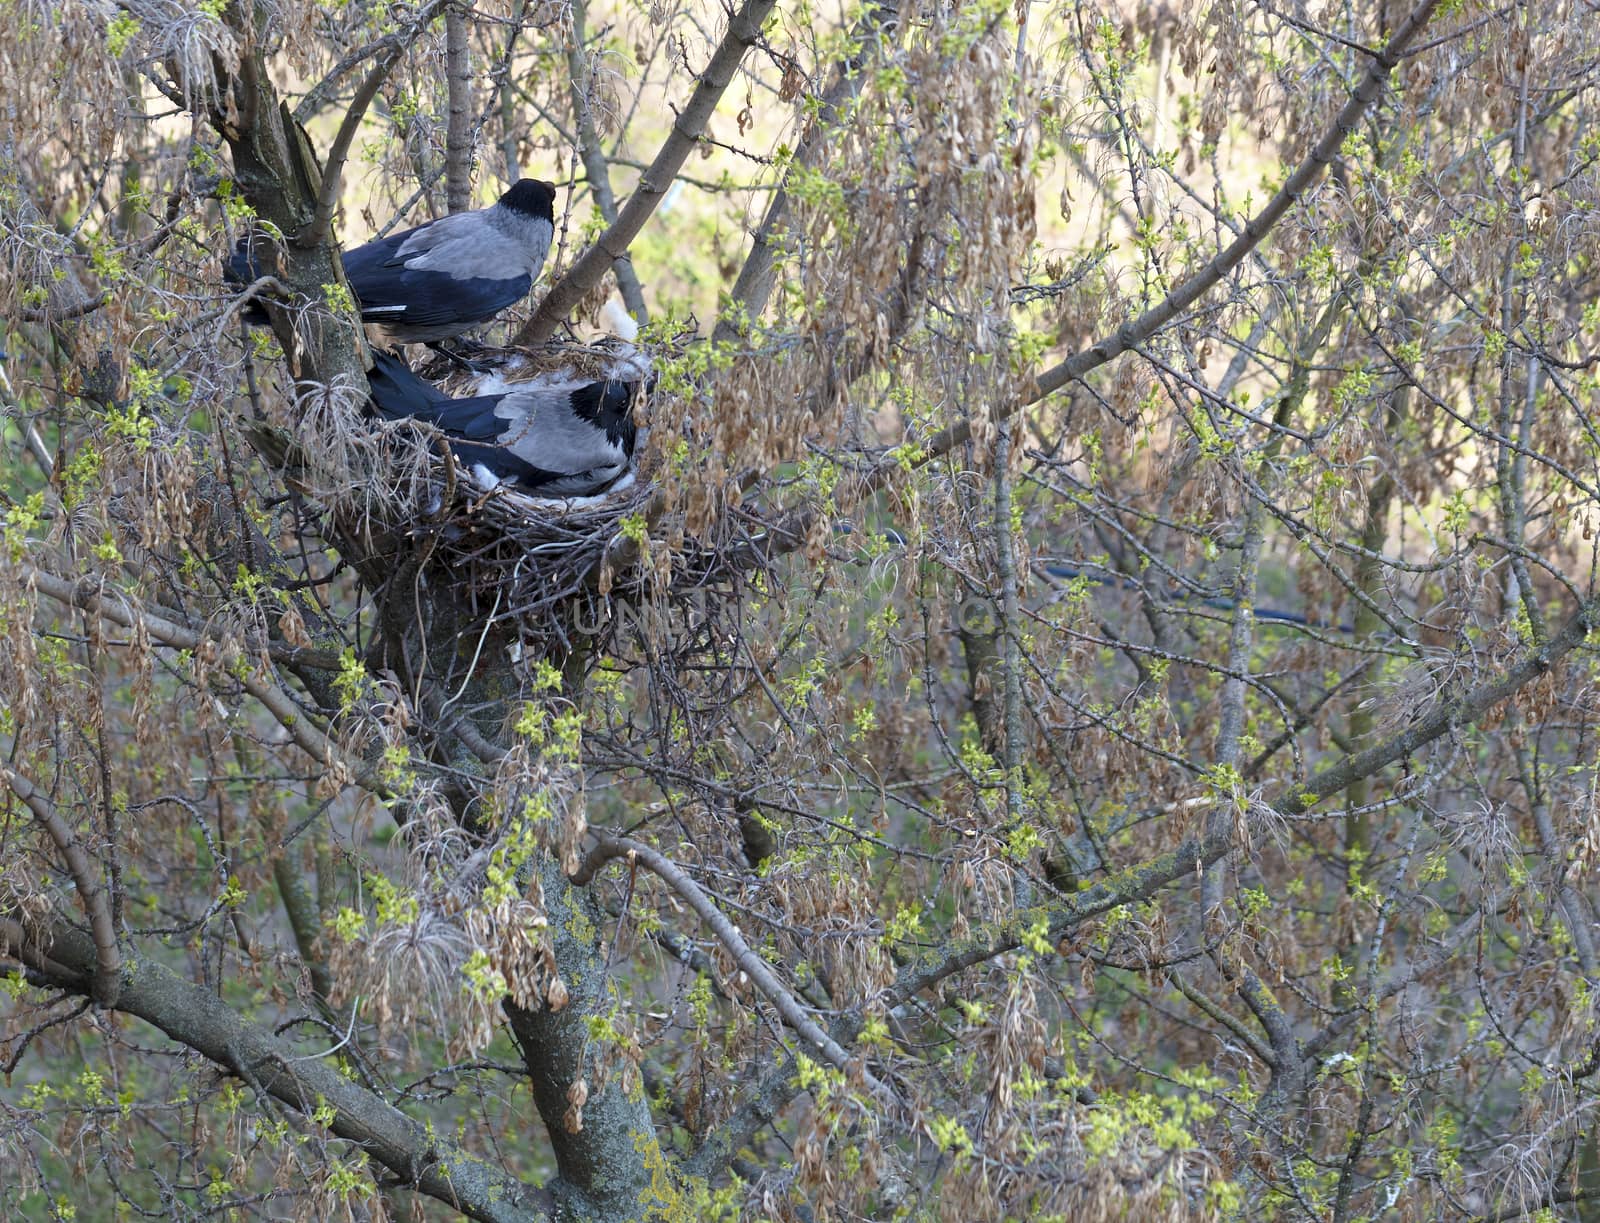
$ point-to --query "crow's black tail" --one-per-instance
(397, 392)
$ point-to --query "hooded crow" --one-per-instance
(440, 279)
(554, 435)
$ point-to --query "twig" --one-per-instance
(48, 314)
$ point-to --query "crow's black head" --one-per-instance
(533, 198)
(608, 405)
(242, 267)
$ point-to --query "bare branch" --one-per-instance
(107, 959)
(728, 934)
(754, 282)
(590, 148)
(585, 274)
(319, 93)
(458, 133)
(792, 528)
(1132, 334)
(277, 702)
(196, 1017)
(1194, 854)
(333, 171)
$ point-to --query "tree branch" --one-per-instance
(1218, 1014)
(1138, 883)
(196, 1017)
(107, 959)
(316, 229)
(564, 296)
(458, 132)
(278, 703)
(594, 159)
(319, 93)
(1130, 335)
(754, 282)
(792, 527)
(728, 934)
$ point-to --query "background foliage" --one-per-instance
(1089, 714)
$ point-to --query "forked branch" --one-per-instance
(316, 229)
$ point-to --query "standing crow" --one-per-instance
(555, 435)
(440, 279)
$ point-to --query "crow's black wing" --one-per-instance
(502, 464)
(241, 270)
(426, 298)
(242, 267)
(381, 251)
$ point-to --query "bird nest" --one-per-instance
(588, 361)
(546, 567)
(522, 557)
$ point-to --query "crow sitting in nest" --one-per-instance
(563, 432)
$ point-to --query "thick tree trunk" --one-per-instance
(611, 1165)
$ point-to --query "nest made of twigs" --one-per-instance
(535, 565)
(546, 562)
(607, 357)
